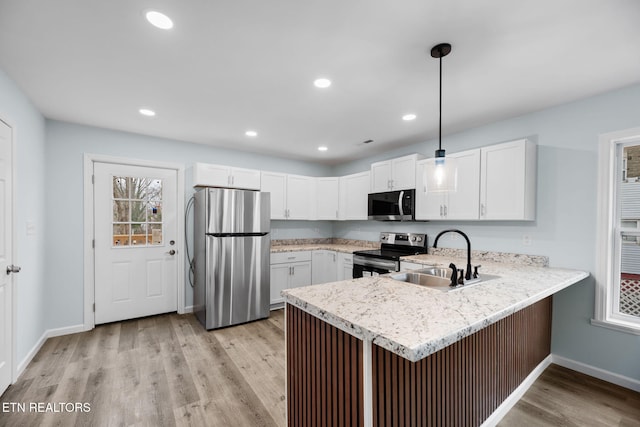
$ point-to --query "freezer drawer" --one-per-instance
(237, 282)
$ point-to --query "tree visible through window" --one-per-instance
(137, 211)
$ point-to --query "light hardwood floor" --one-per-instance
(167, 370)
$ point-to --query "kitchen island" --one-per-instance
(376, 351)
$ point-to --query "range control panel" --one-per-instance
(404, 239)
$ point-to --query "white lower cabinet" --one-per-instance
(345, 266)
(324, 267)
(289, 270)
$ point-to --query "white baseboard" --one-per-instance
(187, 309)
(608, 376)
(517, 394)
(27, 359)
(67, 330)
(49, 333)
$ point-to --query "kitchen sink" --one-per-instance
(437, 278)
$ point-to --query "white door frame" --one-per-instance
(89, 265)
(14, 260)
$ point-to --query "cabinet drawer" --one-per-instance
(288, 257)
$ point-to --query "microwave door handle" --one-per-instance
(400, 197)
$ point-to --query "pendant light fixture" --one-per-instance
(441, 174)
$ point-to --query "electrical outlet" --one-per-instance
(454, 237)
(526, 240)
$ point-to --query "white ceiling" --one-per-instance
(232, 65)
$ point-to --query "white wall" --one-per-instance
(29, 128)
(66, 145)
(565, 225)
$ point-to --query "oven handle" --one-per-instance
(377, 263)
(400, 202)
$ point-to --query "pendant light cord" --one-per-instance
(440, 119)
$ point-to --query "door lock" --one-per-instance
(13, 269)
(172, 252)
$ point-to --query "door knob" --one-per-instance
(13, 269)
(172, 252)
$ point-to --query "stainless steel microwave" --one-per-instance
(392, 205)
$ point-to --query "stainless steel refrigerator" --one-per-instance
(231, 252)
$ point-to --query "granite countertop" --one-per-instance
(414, 321)
(348, 249)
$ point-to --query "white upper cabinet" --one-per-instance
(209, 175)
(394, 174)
(327, 198)
(292, 196)
(354, 191)
(463, 204)
(508, 181)
(276, 184)
(301, 197)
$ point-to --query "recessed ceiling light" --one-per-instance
(251, 133)
(323, 148)
(159, 20)
(409, 117)
(322, 83)
(147, 112)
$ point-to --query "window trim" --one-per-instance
(606, 232)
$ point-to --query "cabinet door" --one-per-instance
(300, 274)
(208, 175)
(301, 197)
(345, 266)
(245, 178)
(279, 281)
(403, 173)
(276, 184)
(381, 176)
(324, 268)
(327, 190)
(507, 181)
(354, 191)
(429, 205)
(464, 203)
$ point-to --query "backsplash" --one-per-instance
(502, 257)
(326, 241)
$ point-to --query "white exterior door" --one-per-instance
(135, 214)
(6, 306)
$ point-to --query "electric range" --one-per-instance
(387, 258)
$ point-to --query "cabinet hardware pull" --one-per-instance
(445, 210)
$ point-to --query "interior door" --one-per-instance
(6, 306)
(135, 216)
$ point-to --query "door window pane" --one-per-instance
(137, 211)
(121, 234)
(154, 212)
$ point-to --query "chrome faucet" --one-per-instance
(467, 273)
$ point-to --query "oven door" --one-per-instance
(364, 266)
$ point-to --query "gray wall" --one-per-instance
(66, 145)
(29, 128)
(565, 226)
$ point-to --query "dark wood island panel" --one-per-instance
(462, 384)
(324, 373)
